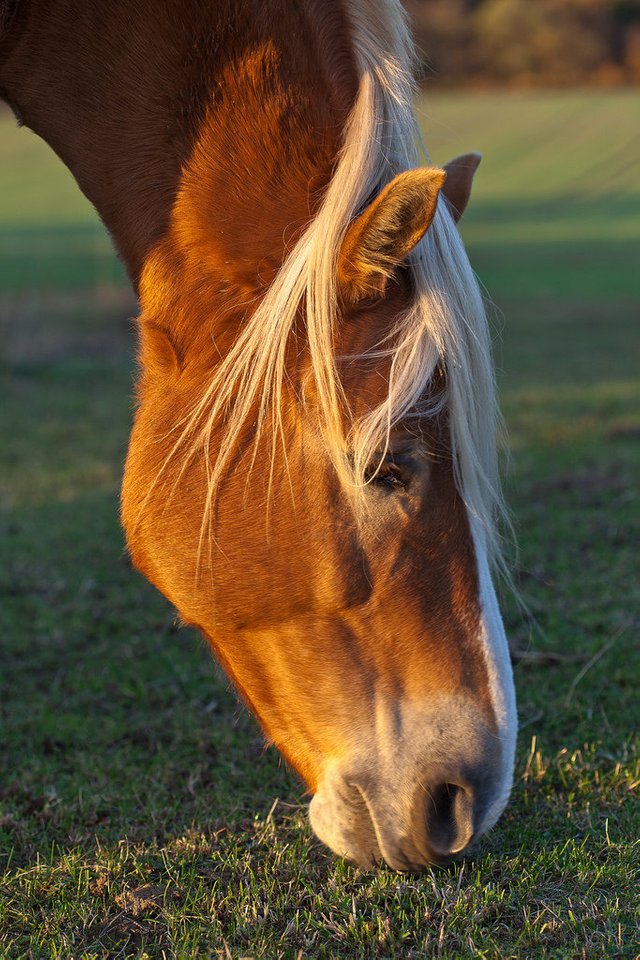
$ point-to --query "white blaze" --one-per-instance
(500, 673)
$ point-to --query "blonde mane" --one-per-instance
(446, 323)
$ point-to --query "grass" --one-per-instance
(139, 814)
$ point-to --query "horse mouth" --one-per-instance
(340, 818)
(371, 841)
(368, 834)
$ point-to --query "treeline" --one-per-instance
(529, 42)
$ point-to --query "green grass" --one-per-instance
(138, 812)
(556, 209)
(50, 237)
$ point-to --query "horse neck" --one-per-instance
(202, 132)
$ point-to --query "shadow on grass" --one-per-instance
(58, 257)
(116, 722)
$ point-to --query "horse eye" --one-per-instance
(389, 476)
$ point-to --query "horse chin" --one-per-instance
(340, 819)
(345, 821)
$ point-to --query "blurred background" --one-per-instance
(529, 43)
(546, 89)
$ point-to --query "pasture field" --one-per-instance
(140, 815)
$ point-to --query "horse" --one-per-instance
(312, 473)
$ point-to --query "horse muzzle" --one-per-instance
(411, 811)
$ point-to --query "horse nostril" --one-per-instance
(449, 819)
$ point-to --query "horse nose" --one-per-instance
(415, 810)
(442, 813)
(440, 820)
(450, 812)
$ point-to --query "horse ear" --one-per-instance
(457, 188)
(388, 230)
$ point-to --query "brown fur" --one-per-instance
(460, 173)
(205, 134)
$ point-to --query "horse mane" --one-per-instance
(445, 325)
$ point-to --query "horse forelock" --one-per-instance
(444, 325)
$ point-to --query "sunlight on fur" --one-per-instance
(446, 323)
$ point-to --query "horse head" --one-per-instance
(311, 519)
(312, 476)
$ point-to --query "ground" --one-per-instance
(139, 814)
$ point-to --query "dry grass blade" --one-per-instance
(545, 657)
(594, 659)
